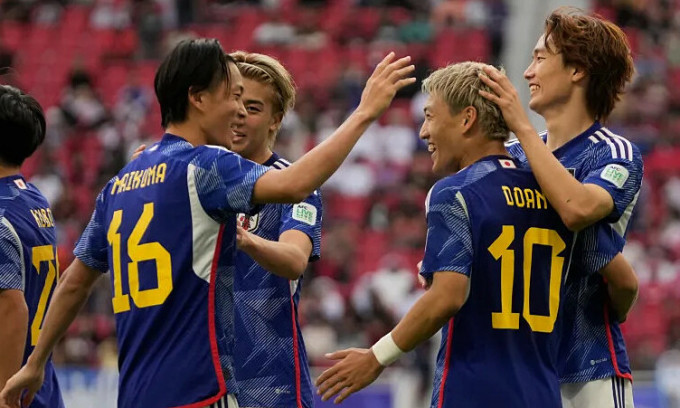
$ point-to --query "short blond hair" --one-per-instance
(458, 85)
(270, 71)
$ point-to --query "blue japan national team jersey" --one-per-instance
(592, 345)
(491, 222)
(165, 227)
(28, 262)
(269, 354)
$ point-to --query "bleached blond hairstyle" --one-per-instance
(458, 85)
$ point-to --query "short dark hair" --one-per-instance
(599, 47)
(22, 125)
(193, 65)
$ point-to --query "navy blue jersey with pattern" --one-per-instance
(165, 226)
(592, 344)
(491, 222)
(269, 353)
(28, 262)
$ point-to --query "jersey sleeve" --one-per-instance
(12, 268)
(600, 244)
(449, 236)
(225, 186)
(305, 217)
(617, 168)
(92, 246)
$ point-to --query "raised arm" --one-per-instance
(296, 182)
(69, 297)
(579, 205)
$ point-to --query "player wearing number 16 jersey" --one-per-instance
(28, 243)
(496, 255)
(165, 227)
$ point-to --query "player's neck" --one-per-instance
(482, 150)
(261, 156)
(188, 132)
(6, 171)
(565, 123)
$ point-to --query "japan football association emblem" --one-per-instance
(248, 223)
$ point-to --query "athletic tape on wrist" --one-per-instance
(386, 350)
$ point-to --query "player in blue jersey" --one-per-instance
(496, 256)
(275, 245)
(28, 244)
(165, 227)
(592, 177)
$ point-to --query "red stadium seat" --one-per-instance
(12, 34)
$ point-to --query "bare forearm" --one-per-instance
(570, 198)
(622, 301)
(12, 338)
(422, 321)
(280, 258)
(69, 297)
(298, 181)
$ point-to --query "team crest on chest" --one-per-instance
(248, 223)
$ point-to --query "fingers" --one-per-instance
(402, 73)
(346, 393)
(419, 265)
(333, 390)
(495, 86)
(492, 97)
(337, 355)
(396, 66)
(28, 398)
(384, 63)
(325, 376)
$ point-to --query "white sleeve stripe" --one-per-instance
(609, 142)
(278, 165)
(593, 139)
(463, 204)
(621, 146)
(623, 140)
(283, 161)
(9, 226)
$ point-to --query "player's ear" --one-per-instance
(577, 73)
(275, 123)
(195, 98)
(469, 116)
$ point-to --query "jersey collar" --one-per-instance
(271, 160)
(575, 141)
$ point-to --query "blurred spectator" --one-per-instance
(149, 25)
(274, 31)
(109, 14)
(668, 377)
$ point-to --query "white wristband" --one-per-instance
(386, 350)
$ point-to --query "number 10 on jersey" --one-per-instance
(500, 249)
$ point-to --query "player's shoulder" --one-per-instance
(607, 144)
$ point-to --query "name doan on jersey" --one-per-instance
(140, 178)
(524, 198)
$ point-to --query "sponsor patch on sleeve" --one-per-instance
(615, 174)
(304, 212)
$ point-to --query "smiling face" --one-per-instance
(222, 109)
(443, 133)
(252, 138)
(551, 83)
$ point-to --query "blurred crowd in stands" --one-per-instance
(91, 64)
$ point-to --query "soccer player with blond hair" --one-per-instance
(275, 246)
(496, 257)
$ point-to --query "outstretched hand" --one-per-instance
(506, 97)
(388, 77)
(28, 379)
(356, 369)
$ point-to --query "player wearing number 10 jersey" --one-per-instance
(497, 255)
(28, 243)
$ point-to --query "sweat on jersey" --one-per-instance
(269, 353)
(28, 262)
(592, 346)
(166, 226)
(491, 222)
